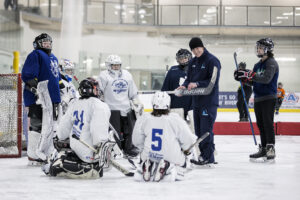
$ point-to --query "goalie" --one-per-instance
(87, 119)
(160, 137)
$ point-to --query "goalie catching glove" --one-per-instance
(243, 74)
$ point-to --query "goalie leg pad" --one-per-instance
(69, 165)
(33, 141)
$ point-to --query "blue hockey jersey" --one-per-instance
(42, 66)
(175, 77)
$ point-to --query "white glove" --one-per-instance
(138, 107)
(178, 92)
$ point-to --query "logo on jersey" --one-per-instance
(204, 112)
(119, 86)
(181, 80)
(193, 66)
(54, 68)
(260, 71)
(202, 66)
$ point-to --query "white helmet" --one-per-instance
(113, 60)
(161, 101)
(67, 65)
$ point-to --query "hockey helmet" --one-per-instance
(67, 66)
(87, 86)
(265, 43)
(113, 60)
(242, 65)
(161, 101)
(183, 54)
(43, 42)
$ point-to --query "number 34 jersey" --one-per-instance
(88, 119)
(162, 137)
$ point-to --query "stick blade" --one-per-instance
(130, 174)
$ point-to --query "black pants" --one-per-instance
(241, 103)
(278, 104)
(124, 126)
(264, 113)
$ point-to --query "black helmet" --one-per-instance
(181, 54)
(87, 86)
(242, 65)
(265, 43)
(38, 42)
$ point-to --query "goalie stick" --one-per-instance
(197, 142)
(244, 97)
(114, 164)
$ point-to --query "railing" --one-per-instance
(104, 12)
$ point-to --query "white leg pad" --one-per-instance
(33, 141)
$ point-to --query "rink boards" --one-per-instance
(243, 128)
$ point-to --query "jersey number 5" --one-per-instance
(77, 120)
(156, 139)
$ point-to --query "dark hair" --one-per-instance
(160, 112)
(270, 54)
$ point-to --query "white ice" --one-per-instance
(235, 177)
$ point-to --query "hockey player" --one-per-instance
(203, 73)
(40, 65)
(264, 79)
(161, 138)
(119, 91)
(69, 92)
(86, 119)
(280, 97)
(240, 102)
(176, 77)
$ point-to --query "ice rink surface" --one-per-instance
(233, 178)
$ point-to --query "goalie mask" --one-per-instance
(266, 44)
(113, 63)
(43, 42)
(88, 87)
(161, 101)
(183, 57)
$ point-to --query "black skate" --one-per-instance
(261, 153)
(161, 170)
(203, 163)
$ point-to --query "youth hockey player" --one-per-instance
(280, 97)
(40, 65)
(161, 138)
(264, 79)
(204, 72)
(68, 93)
(86, 119)
(119, 90)
(240, 102)
(176, 77)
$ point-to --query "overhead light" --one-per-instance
(286, 59)
(127, 67)
(102, 65)
(289, 13)
(279, 17)
(142, 11)
(211, 10)
(228, 8)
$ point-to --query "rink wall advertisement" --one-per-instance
(229, 99)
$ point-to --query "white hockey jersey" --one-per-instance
(69, 92)
(88, 119)
(118, 90)
(162, 137)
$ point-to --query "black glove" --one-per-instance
(31, 85)
(61, 85)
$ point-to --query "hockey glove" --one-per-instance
(138, 107)
(245, 74)
(31, 85)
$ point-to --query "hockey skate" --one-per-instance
(147, 170)
(261, 155)
(270, 152)
(161, 170)
(201, 163)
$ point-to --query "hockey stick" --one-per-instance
(114, 164)
(244, 97)
(153, 91)
(197, 142)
